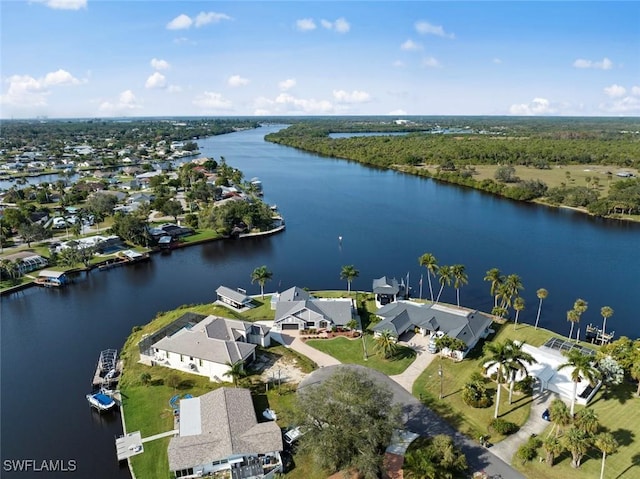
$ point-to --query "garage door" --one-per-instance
(289, 326)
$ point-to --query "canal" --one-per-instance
(50, 339)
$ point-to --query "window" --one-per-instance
(181, 358)
(200, 362)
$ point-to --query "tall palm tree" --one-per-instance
(445, 275)
(560, 416)
(261, 274)
(499, 354)
(607, 444)
(235, 372)
(587, 420)
(517, 362)
(573, 317)
(577, 442)
(581, 307)
(496, 279)
(553, 447)
(460, 278)
(582, 368)
(606, 313)
(542, 295)
(431, 263)
(386, 342)
(518, 305)
(349, 273)
(513, 286)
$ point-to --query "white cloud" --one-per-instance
(497, 61)
(305, 24)
(626, 105)
(635, 90)
(426, 28)
(126, 102)
(237, 80)
(430, 62)
(204, 18)
(410, 45)
(174, 89)
(60, 77)
(355, 96)
(157, 64)
(304, 105)
(156, 80)
(605, 64)
(65, 4)
(539, 106)
(287, 84)
(615, 91)
(398, 64)
(341, 25)
(181, 22)
(399, 112)
(212, 101)
(27, 91)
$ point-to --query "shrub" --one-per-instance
(503, 427)
(525, 385)
(475, 395)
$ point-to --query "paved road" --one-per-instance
(423, 421)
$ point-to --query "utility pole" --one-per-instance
(440, 374)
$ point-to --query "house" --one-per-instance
(427, 319)
(297, 309)
(219, 432)
(26, 261)
(387, 290)
(50, 278)
(204, 345)
(233, 298)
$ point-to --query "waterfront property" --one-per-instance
(388, 290)
(27, 261)
(235, 299)
(49, 278)
(296, 309)
(400, 317)
(204, 345)
(219, 432)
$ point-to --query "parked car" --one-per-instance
(546, 415)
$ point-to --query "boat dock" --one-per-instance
(108, 370)
(132, 444)
(124, 258)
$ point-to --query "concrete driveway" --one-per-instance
(423, 421)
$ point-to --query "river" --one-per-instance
(50, 339)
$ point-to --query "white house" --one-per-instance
(219, 432)
(205, 345)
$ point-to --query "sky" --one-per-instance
(132, 58)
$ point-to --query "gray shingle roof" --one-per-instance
(294, 294)
(386, 285)
(337, 311)
(228, 427)
(218, 345)
(233, 295)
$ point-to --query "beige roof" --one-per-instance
(228, 426)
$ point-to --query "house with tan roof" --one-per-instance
(219, 432)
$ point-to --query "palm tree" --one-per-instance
(573, 317)
(349, 273)
(577, 442)
(499, 354)
(606, 313)
(559, 414)
(513, 285)
(261, 275)
(607, 444)
(542, 295)
(387, 343)
(459, 278)
(517, 362)
(582, 368)
(518, 305)
(431, 263)
(580, 306)
(587, 420)
(496, 279)
(553, 447)
(445, 276)
(235, 372)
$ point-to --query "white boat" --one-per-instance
(101, 401)
(270, 414)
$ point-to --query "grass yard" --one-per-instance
(261, 311)
(350, 351)
(619, 413)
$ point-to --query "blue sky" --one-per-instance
(85, 58)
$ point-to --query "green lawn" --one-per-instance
(619, 413)
(262, 310)
(350, 351)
